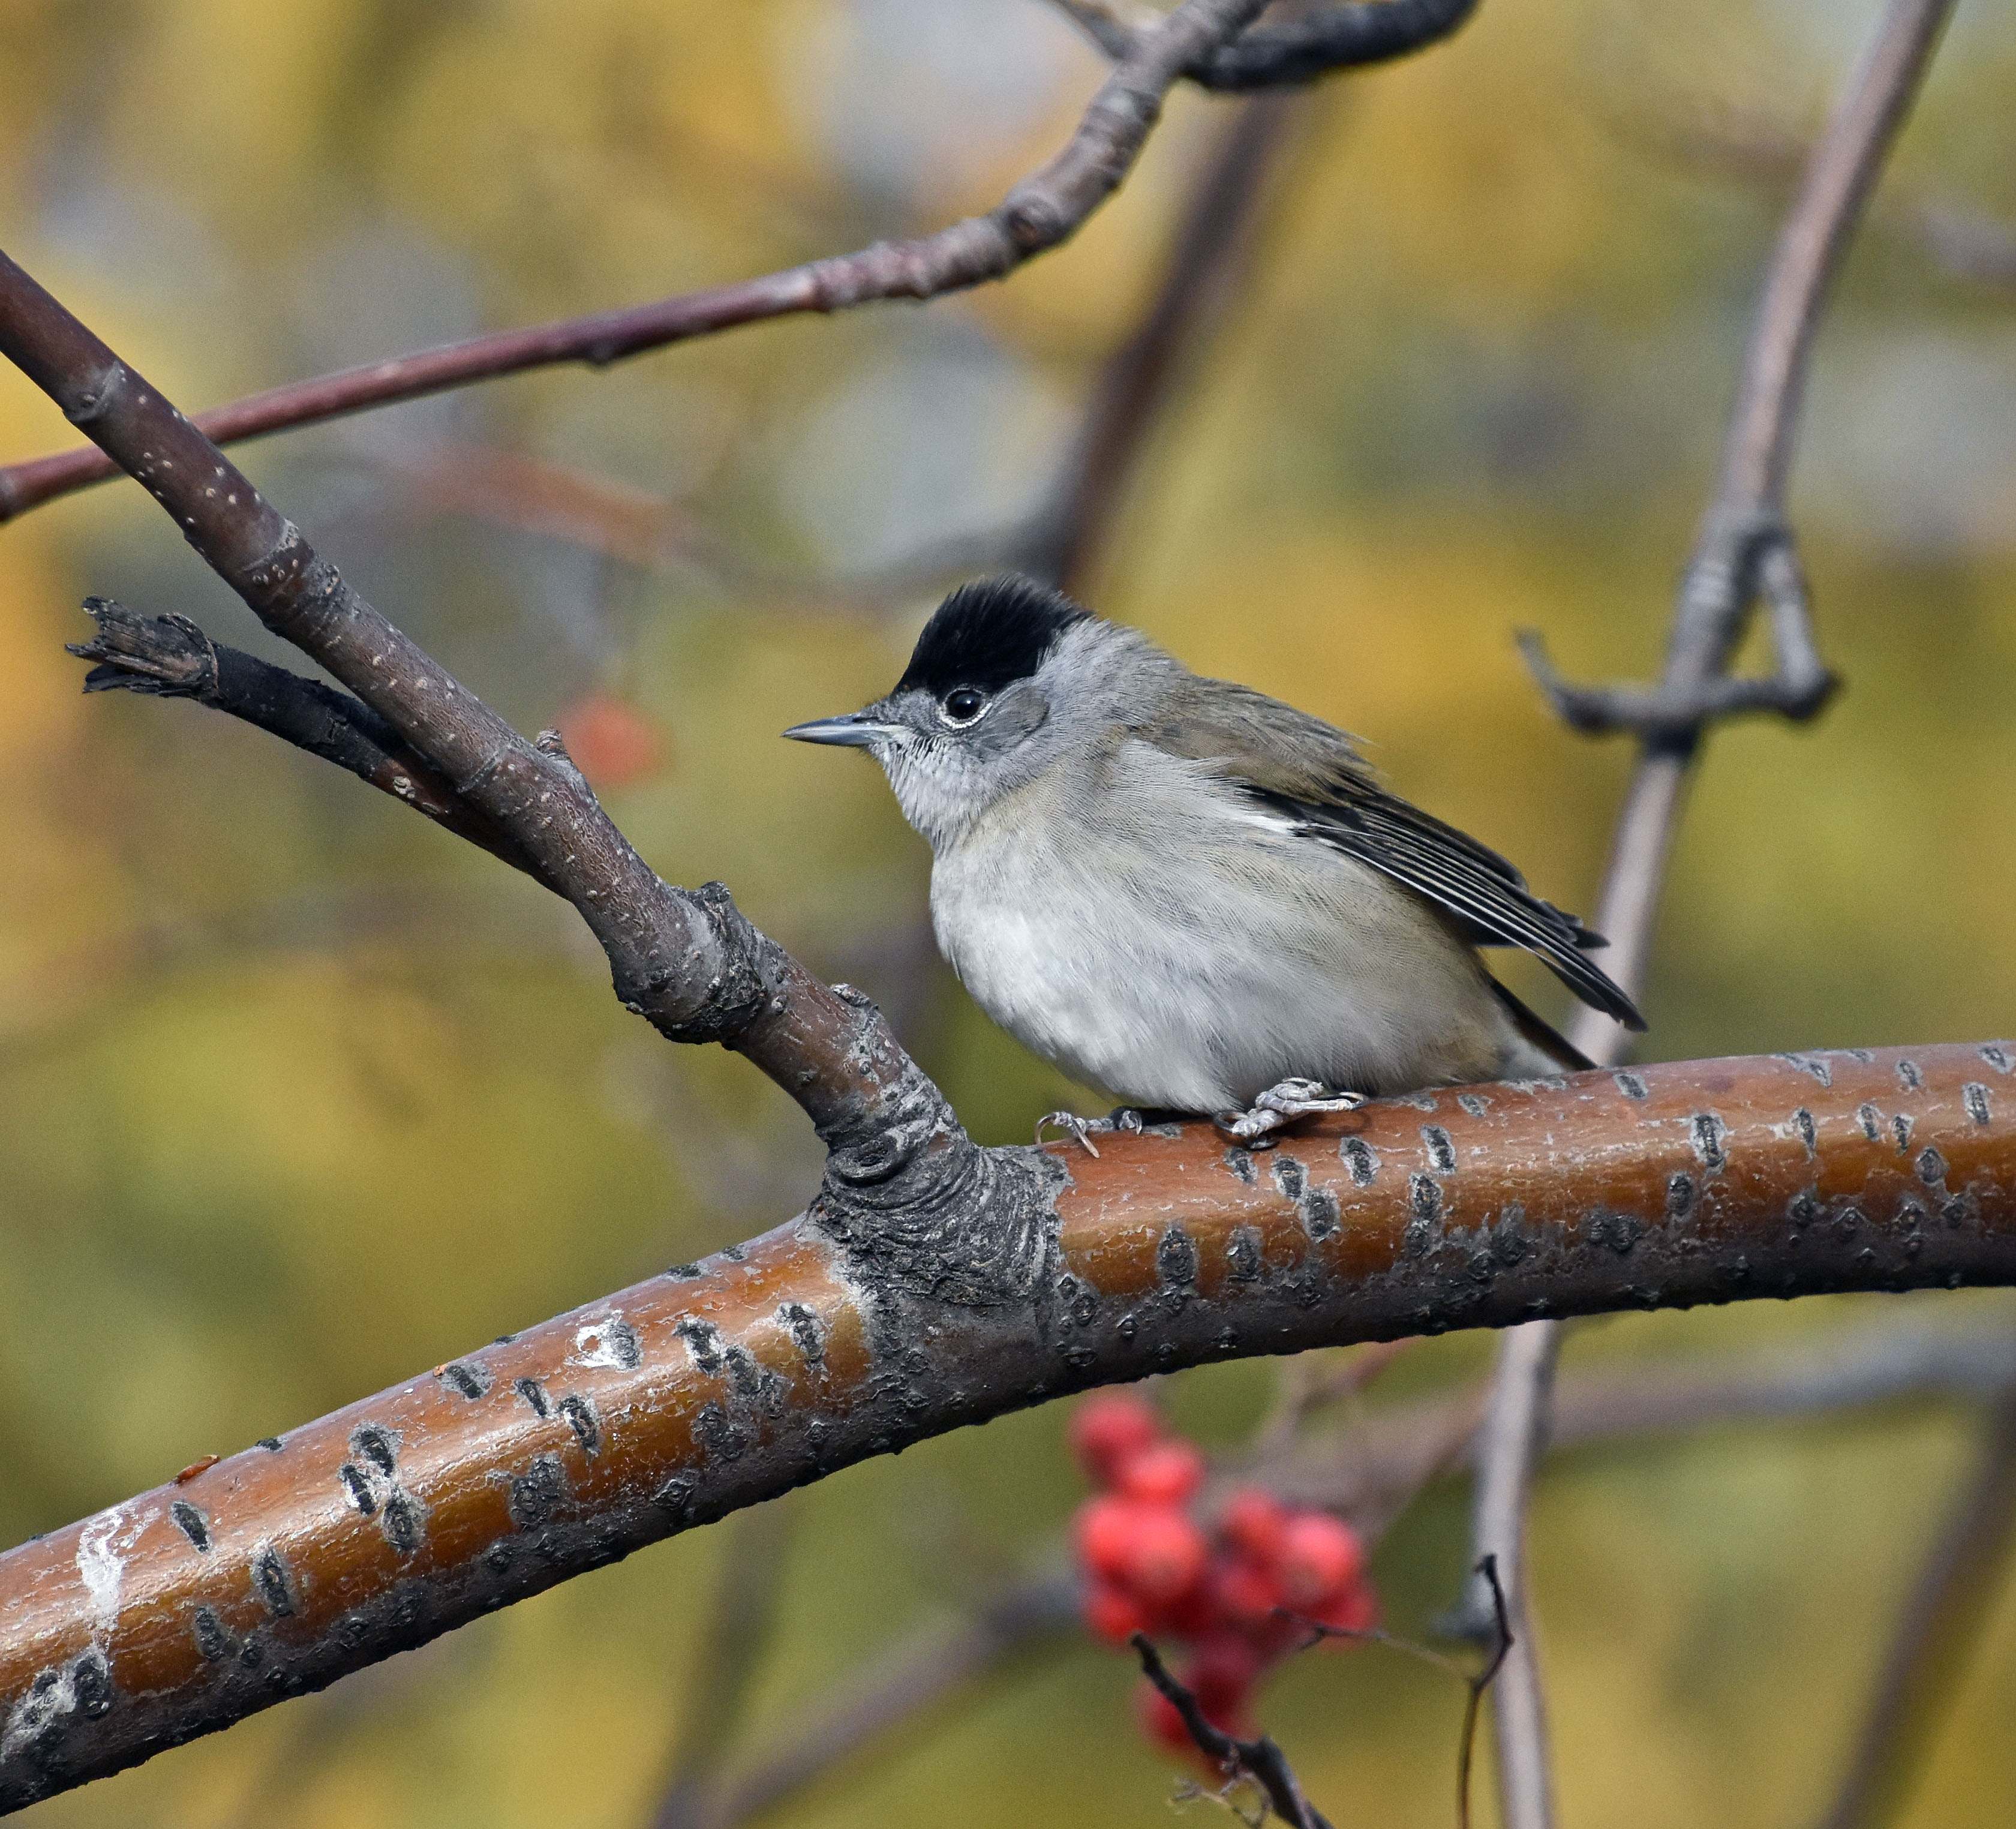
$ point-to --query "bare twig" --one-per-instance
(1043, 211)
(1942, 1624)
(1745, 549)
(169, 657)
(1262, 1760)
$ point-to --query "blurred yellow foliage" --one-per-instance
(295, 1099)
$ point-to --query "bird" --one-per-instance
(1192, 895)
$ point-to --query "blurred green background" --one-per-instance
(297, 1095)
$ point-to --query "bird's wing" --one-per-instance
(1307, 771)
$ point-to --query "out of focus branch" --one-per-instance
(1213, 248)
(1943, 1623)
(885, 1692)
(1043, 211)
(1508, 1450)
(1745, 549)
(1707, 134)
(737, 1632)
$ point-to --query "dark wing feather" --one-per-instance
(1308, 771)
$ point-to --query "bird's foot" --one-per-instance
(1081, 1128)
(1279, 1107)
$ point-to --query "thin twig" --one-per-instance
(1041, 212)
(1942, 1623)
(1262, 1760)
(169, 657)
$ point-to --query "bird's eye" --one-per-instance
(963, 703)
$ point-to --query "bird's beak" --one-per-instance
(856, 730)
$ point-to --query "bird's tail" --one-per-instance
(1544, 1051)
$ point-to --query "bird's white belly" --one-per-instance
(1194, 984)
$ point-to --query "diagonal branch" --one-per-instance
(1040, 213)
(1214, 242)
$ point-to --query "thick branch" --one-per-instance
(1043, 211)
(716, 1386)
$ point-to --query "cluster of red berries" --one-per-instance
(1236, 1586)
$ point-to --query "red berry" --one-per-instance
(1245, 1592)
(1320, 1557)
(1166, 1556)
(1104, 1528)
(611, 742)
(1112, 1614)
(1254, 1522)
(1109, 1429)
(1164, 1473)
(1153, 1551)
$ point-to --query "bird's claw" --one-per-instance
(1279, 1106)
(1081, 1128)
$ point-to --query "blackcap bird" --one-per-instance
(1189, 894)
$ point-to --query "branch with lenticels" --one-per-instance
(1040, 213)
(719, 1384)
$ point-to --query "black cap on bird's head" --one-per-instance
(985, 635)
(989, 634)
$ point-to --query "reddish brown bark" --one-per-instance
(280, 1568)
